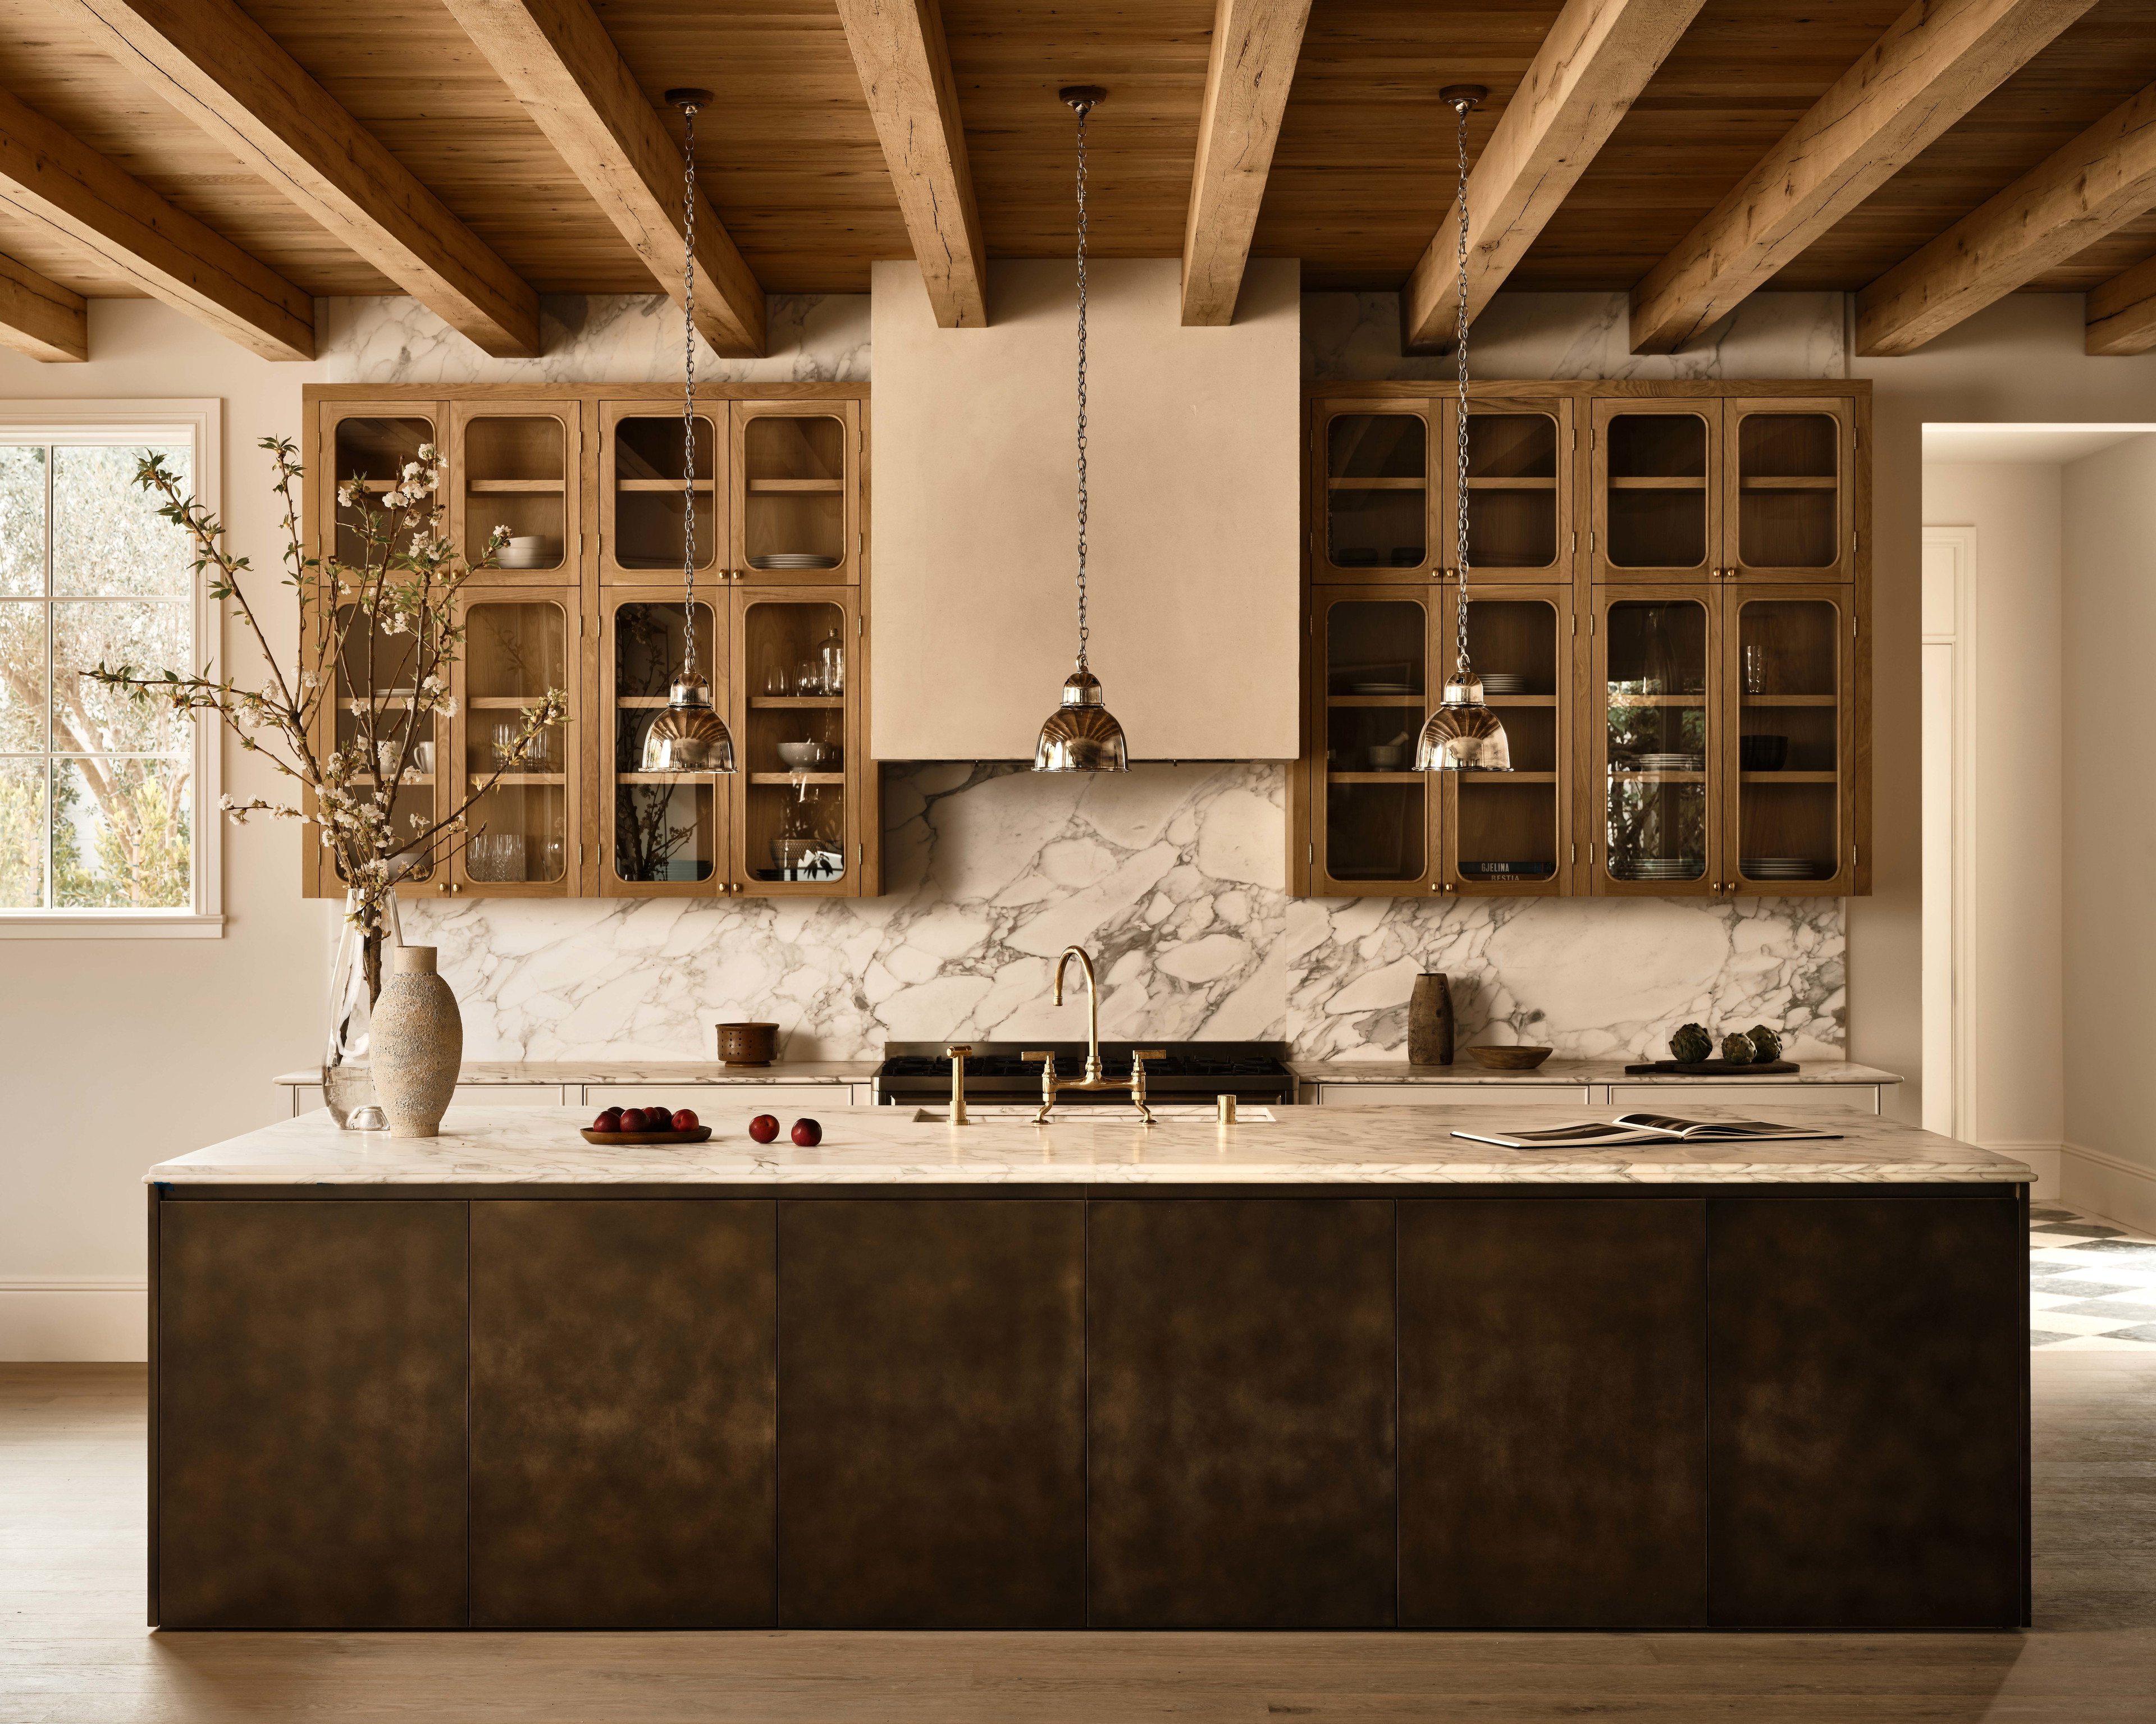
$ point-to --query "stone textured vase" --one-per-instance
(1429, 1021)
(418, 1043)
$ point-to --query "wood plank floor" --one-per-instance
(73, 1649)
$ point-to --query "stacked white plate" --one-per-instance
(793, 559)
(1504, 682)
(1778, 868)
(1659, 867)
(1384, 688)
(1671, 762)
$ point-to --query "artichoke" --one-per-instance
(1766, 1044)
(1691, 1044)
(1738, 1049)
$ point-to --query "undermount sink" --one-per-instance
(1109, 1115)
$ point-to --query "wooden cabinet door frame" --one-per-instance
(570, 747)
(1436, 616)
(852, 532)
(469, 531)
(1564, 882)
(1565, 486)
(1436, 415)
(857, 773)
(1851, 748)
(602, 730)
(1843, 410)
(1600, 570)
(1595, 756)
(715, 421)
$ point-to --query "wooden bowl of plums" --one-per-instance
(659, 1124)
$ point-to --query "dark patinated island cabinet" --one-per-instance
(1325, 1406)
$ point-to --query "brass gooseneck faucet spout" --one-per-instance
(1050, 1084)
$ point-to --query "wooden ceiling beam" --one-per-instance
(1596, 59)
(557, 58)
(905, 63)
(216, 65)
(49, 177)
(2122, 312)
(1256, 44)
(40, 318)
(2097, 182)
(1935, 62)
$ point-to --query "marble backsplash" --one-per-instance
(1173, 875)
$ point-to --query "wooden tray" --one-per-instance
(1714, 1067)
(698, 1135)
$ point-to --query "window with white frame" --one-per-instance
(99, 796)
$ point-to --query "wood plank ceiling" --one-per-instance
(796, 170)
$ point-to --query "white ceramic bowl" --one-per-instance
(801, 754)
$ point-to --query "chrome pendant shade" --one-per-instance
(689, 737)
(1463, 734)
(1081, 735)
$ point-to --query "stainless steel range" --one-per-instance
(1254, 1073)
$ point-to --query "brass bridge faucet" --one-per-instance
(1050, 1084)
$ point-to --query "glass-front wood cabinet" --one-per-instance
(587, 596)
(1668, 598)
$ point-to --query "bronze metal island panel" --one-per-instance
(1240, 1417)
(310, 1412)
(933, 1419)
(624, 1405)
(1553, 1414)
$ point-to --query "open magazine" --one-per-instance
(1646, 1128)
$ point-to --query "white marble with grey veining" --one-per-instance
(1574, 1074)
(835, 1074)
(1173, 876)
(886, 1146)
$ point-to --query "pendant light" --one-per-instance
(1463, 734)
(1081, 735)
(688, 738)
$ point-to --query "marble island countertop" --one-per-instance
(639, 1071)
(1569, 1072)
(888, 1146)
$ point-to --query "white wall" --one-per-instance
(114, 1054)
(2109, 829)
(2017, 1030)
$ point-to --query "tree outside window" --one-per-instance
(96, 791)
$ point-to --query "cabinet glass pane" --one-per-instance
(1507, 823)
(793, 508)
(1512, 482)
(647, 492)
(515, 476)
(374, 452)
(665, 828)
(1377, 486)
(1657, 495)
(1788, 795)
(1375, 822)
(513, 654)
(795, 749)
(385, 663)
(1655, 700)
(1786, 484)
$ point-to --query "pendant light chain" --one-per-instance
(1460, 509)
(1084, 634)
(688, 383)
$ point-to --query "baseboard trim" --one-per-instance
(2108, 1186)
(57, 1319)
(2043, 1157)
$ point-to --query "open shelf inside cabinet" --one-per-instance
(1512, 484)
(514, 475)
(514, 652)
(1376, 806)
(793, 483)
(1656, 741)
(386, 665)
(1507, 828)
(375, 451)
(1790, 804)
(1378, 491)
(647, 452)
(665, 827)
(1787, 481)
(1656, 509)
(795, 813)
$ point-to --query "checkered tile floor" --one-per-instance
(2092, 1286)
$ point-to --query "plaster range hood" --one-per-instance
(1194, 450)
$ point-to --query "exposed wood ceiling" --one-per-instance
(1360, 180)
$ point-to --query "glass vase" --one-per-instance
(347, 1066)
